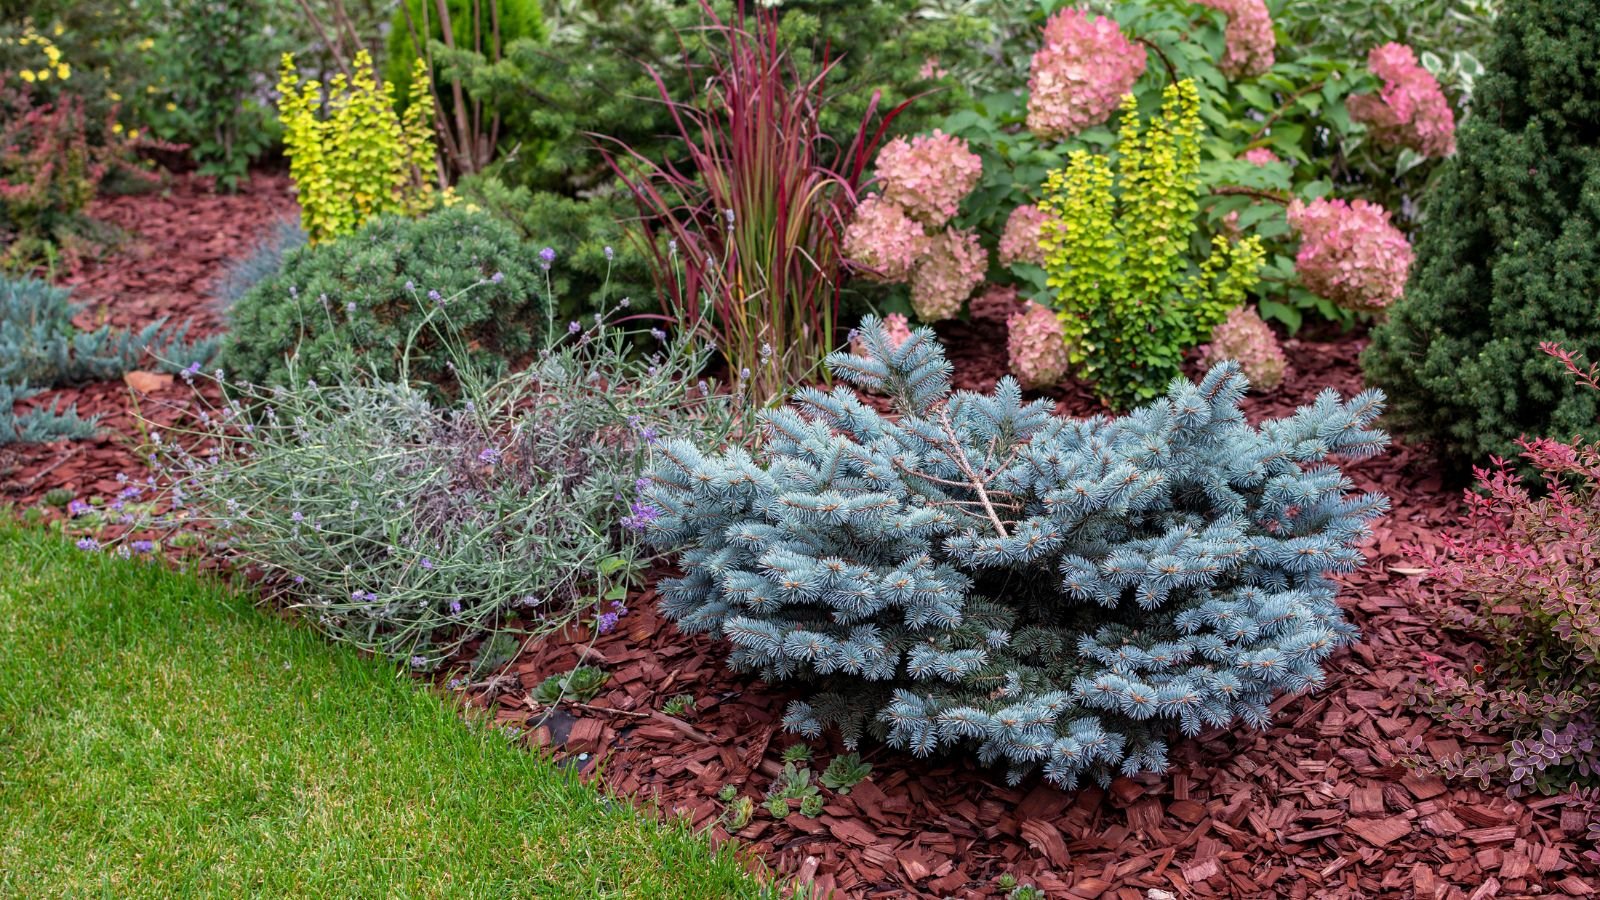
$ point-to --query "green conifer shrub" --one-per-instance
(470, 28)
(359, 302)
(980, 573)
(1509, 255)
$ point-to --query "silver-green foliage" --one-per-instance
(41, 348)
(977, 572)
(405, 526)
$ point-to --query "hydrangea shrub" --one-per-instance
(978, 573)
(1035, 348)
(1080, 73)
(1350, 253)
(1410, 110)
(1248, 340)
(1250, 41)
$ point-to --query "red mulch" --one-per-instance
(178, 242)
(1319, 806)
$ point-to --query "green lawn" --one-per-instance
(161, 737)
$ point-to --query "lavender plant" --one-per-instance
(406, 527)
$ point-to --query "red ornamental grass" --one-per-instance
(744, 228)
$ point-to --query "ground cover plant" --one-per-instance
(406, 523)
(40, 348)
(130, 775)
(1507, 258)
(1048, 592)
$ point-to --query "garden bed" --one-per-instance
(1321, 805)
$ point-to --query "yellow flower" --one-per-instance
(42, 74)
(63, 71)
(146, 44)
(27, 76)
(60, 29)
(172, 107)
(115, 97)
(133, 135)
(116, 128)
(52, 53)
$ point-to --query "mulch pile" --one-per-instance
(1320, 806)
(177, 243)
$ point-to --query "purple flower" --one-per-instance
(455, 607)
(610, 253)
(78, 508)
(489, 456)
(297, 517)
(410, 286)
(435, 296)
(658, 334)
(546, 257)
(87, 544)
(604, 622)
(574, 327)
(643, 514)
(191, 370)
(497, 277)
(144, 546)
(418, 662)
(647, 434)
(426, 563)
(642, 485)
(350, 308)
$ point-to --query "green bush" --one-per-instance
(518, 19)
(387, 299)
(1510, 252)
(406, 526)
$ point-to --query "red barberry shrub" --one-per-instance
(1522, 576)
(49, 170)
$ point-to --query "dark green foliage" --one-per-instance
(497, 650)
(845, 772)
(358, 303)
(579, 230)
(580, 684)
(518, 19)
(264, 261)
(1510, 253)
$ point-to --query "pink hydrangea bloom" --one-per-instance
(883, 241)
(928, 175)
(1020, 241)
(1410, 110)
(1249, 35)
(1036, 346)
(1260, 156)
(943, 280)
(1350, 253)
(1245, 337)
(895, 328)
(1080, 74)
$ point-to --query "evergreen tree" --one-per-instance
(979, 572)
(1509, 254)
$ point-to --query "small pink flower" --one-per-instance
(1250, 41)
(1080, 74)
(1020, 241)
(928, 175)
(1036, 347)
(1350, 253)
(952, 270)
(883, 241)
(1245, 337)
(1260, 156)
(1410, 110)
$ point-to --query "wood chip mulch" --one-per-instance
(1322, 805)
(177, 242)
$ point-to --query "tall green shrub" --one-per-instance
(472, 26)
(1510, 252)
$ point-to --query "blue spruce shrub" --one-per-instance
(977, 572)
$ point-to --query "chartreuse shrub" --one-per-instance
(405, 525)
(352, 156)
(41, 348)
(1117, 249)
(1510, 252)
(979, 573)
(384, 299)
